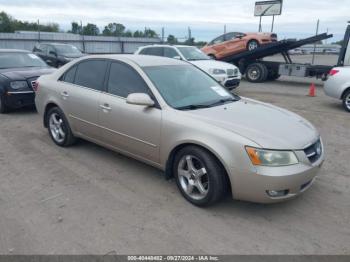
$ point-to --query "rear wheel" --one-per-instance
(3, 107)
(199, 176)
(252, 44)
(59, 128)
(256, 73)
(346, 101)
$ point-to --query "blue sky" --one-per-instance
(205, 17)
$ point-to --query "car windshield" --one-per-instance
(192, 53)
(67, 50)
(17, 60)
(186, 87)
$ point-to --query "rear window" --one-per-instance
(156, 51)
(91, 74)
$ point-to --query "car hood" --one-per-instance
(210, 64)
(26, 72)
(269, 126)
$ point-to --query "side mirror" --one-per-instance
(53, 53)
(140, 99)
(177, 57)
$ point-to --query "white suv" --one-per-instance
(226, 74)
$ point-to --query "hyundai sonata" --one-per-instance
(172, 115)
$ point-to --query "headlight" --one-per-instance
(262, 157)
(19, 85)
(216, 71)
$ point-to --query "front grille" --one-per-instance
(232, 72)
(31, 81)
(314, 152)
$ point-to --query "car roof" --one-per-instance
(142, 60)
(14, 51)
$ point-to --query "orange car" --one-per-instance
(234, 43)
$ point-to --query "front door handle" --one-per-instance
(106, 107)
(64, 95)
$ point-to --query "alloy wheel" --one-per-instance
(252, 45)
(56, 128)
(347, 101)
(193, 177)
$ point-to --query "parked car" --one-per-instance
(18, 71)
(172, 115)
(234, 43)
(227, 74)
(57, 55)
(337, 85)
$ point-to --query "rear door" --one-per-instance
(130, 128)
(80, 93)
(234, 43)
(51, 58)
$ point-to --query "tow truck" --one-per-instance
(257, 70)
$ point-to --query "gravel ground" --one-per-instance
(89, 200)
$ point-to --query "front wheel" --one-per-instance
(252, 44)
(346, 101)
(59, 128)
(199, 176)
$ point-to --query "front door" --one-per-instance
(130, 128)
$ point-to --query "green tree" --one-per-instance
(138, 33)
(76, 28)
(91, 29)
(128, 33)
(172, 39)
(190, 41)
(150, 33)
(114, 29)
(6, 23)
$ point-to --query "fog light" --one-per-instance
(279, 193)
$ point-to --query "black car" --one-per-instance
(18, 71)
(57, 55)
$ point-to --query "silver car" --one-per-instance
(337, 85)
(172, 115)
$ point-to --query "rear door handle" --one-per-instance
(106, 107)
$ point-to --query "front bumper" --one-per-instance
(230, 82)
(17, 99)
(293, 180)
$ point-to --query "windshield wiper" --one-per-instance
(192, 107)
(223, 101)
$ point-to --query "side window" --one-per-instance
(156, 51)
(91, 74)
(144, 51)
(50, 49)
(124, 80)
(229, 36)
(43, 49)
(170, 52)
(70, 75)
(218, 40)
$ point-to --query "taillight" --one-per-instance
(333, 72)
(36, 86)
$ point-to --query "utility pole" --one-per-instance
(224, 29)
(313, 55)
(82, 35)
(163, 35)
(38, 30)
(189, 34)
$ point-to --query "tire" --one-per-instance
(59, 129)
(256, 73)
(205, 183)
(3, 107)
(346, 101)
(252, 44)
